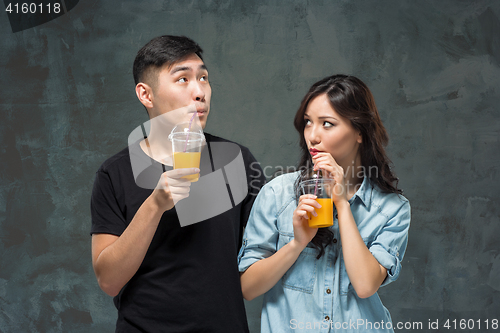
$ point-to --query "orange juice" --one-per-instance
(187, 160)
(325, 214)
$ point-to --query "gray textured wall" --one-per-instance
(67, 103)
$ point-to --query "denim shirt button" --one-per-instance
(335, 241)
(328, 291)
(327, 318)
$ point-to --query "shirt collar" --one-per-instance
(364, 192)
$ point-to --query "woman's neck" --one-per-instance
(353, 175)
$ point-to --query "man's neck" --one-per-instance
(158, 146)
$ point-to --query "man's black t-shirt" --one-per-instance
(189, 280)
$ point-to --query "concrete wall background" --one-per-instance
(67, 103)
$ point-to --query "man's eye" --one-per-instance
(204, 78)
(182, 80)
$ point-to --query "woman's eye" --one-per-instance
(328, 124)
(307, 121)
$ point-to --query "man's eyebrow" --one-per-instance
(185, 68)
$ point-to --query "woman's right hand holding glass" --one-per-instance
(303, 234)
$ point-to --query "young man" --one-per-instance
(165, 277)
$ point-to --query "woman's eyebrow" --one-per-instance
(322, 117)
(327, 117)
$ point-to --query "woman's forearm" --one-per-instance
(364, 271)
(265, 273)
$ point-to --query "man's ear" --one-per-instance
(145, 94)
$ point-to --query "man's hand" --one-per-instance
(172, 188)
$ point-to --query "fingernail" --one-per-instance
(315, 214)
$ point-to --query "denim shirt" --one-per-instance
(315, 295)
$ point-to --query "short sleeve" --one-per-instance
(107, 217)
(261, 234)
(390, 244)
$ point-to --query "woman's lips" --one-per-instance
(314, 151)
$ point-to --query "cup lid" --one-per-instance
(183, 128)
(315, 175)
(308, 182)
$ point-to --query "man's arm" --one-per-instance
(116, 259)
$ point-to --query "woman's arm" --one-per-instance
(265, 273)
(364, 271)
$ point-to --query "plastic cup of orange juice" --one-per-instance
(187, 144)
(322, 189)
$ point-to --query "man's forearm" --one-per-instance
(117, 259)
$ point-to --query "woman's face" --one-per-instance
(326, 131)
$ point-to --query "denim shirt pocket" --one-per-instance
(301, 275)
(345, 283)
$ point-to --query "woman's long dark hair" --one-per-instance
(351, 99)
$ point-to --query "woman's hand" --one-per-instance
(302, 233)
(327, 163)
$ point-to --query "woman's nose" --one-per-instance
(314, 136)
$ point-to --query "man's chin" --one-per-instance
(203, 120)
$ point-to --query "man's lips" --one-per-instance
(199, 113)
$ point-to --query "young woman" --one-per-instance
(322, 280)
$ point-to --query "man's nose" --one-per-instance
(198, 92)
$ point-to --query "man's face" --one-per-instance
(182, 84)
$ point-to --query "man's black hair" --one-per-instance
(163, 50)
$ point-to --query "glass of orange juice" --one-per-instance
(187, 144)
(322, 188)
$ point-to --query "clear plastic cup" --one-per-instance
(187, 144)
(322, 189)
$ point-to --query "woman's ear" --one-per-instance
(359, 139)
